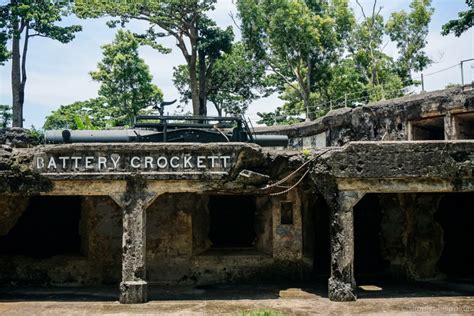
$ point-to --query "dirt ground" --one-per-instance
(432, 298)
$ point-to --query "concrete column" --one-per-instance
(341, 284)
(134, 202)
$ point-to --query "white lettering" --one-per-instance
(200, 162)
(225, 159)
(63, 161)
(163, 164)
(132, 162)
(172, 164)
(115, 161)
(148, 162)
(76, 161)
(102, 162)
(213, 160)
(52, 163)
(40, 162)
(187, 162)
(89, 161)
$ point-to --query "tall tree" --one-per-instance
(197, 37)
(409, 31)
(125, 78)
(297, 40)
(233, 82)
(23, 20)
(461, 25)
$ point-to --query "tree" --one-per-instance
(296, 40)
(233, 82)
(198, 38)
(461, 25)
(125, 78)
(25, 19)
(409, 32)
(5, 115)
(93, 111)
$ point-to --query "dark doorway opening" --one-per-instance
(368, 260)
(48, 227)
(456, 216)
(232, 221)
(322, 249)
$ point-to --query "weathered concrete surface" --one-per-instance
(134, 202)
(360, 165)
(411, 240)
(11, 208)
(342, 286)
(16, 137)
(385, 120)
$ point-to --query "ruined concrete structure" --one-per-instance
(388, 191)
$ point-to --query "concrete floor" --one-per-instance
(440, 297)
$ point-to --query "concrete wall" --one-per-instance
(386, 120)
(178, 249)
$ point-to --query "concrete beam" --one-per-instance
(405, 185)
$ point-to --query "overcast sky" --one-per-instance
(58, 74)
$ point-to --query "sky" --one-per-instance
(58, 74)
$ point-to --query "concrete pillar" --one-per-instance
(134, 202)
(341, 284)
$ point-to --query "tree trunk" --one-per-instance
(17, 106)
(202, 84)
(305, 96)
(23, 72)
(194, 87)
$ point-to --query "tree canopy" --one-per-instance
(232, 84)
(25, 19)
(125, 79)
(345, 63)
(198, 38)
(461, 25)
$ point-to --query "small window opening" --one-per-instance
(232, 222)
(428, 129)
(464, 125)
(286, 210)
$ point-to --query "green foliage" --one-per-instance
(347, 68)
(409, 32)
(125, 78)
(461, 25)
(296, 40)
(233, 82)
(39, 17)
(452, 85)
(23, 20)
(37, 135)
(90, 114)
(5, 115)
(279, 117)
(198, 37)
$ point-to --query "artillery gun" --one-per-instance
(172, 129)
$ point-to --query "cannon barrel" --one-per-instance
(93, 136)
(271, 140)
(139, 135)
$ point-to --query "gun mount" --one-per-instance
(171, 129)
